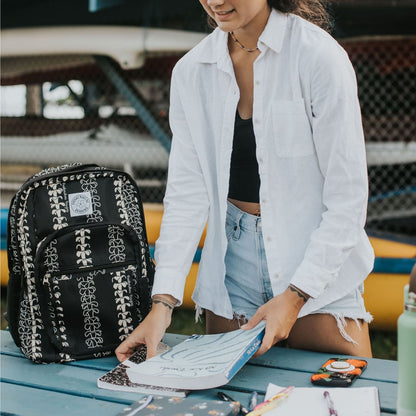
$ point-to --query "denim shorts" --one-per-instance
(247, 278)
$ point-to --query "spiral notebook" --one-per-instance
(117, 379)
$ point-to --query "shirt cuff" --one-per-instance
(312, 282)
(167, 282)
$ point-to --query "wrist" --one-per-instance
(301, 296)
(161, 313)
(167, 301)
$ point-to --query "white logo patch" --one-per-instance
(80, 204)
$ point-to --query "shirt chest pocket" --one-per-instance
(292, 131)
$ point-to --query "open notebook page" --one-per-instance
(310, 401)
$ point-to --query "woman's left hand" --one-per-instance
(280, 314)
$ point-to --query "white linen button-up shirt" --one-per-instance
(312, 166)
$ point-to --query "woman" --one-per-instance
(268, 147)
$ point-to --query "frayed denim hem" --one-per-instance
(342, 323)
(240, 317)
(198, 312)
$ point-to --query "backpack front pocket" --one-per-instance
(92, 284)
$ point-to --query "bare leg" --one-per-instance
(316, 332)
(320, 332)
(216, 324)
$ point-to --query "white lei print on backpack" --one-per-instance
(48, 171)
(30, 322)
(25, 328)
(123, 301)
(116, 247)
(90, 185)
(128, 208)
(51, 257)
(61, 330)
(55, 309)
(90, 310)
(13, 239)
(82, 237)
(59, 209)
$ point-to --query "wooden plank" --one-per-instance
(280, 366)
(29, 401)
(71, 380)
(41, 402)
(82, 381)
(296, 360)
(60, 378)
(8, 347)
(310, 361)
(251, 377)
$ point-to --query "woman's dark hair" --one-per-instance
(315, 11)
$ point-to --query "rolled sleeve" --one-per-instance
(339, 143)
(186, 205)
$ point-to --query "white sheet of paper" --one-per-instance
(310, 401)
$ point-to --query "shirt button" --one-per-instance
(261, 160)
(257, 82)
(269, 238)
(256, 120)
(264, 201)
(276, 275)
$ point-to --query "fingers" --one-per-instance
(128, 347)
(124, 350)
(151, 349)
(269, 340)
(254, 321)
(122, 356)
(277, 324)
(149, 332)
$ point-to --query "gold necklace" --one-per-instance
(241, 45)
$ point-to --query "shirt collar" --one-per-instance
(216, 51)
(274, 32)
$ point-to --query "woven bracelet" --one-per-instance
(160, 299)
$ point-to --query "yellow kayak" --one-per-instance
(383, 289)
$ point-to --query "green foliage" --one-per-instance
(183, 322)
(384, 344)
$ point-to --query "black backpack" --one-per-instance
(79, 263)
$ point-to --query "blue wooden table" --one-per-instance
(55, 389)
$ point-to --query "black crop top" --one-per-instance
(244, 171)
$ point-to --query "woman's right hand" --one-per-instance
(149, 332)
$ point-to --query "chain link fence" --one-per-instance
(386, 76)
(68, 108)
(59, 109)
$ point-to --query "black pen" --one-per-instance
(227, 398)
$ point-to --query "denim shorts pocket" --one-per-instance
(229, 228)
(291, 129)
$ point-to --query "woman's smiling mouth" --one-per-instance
(222, 15)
